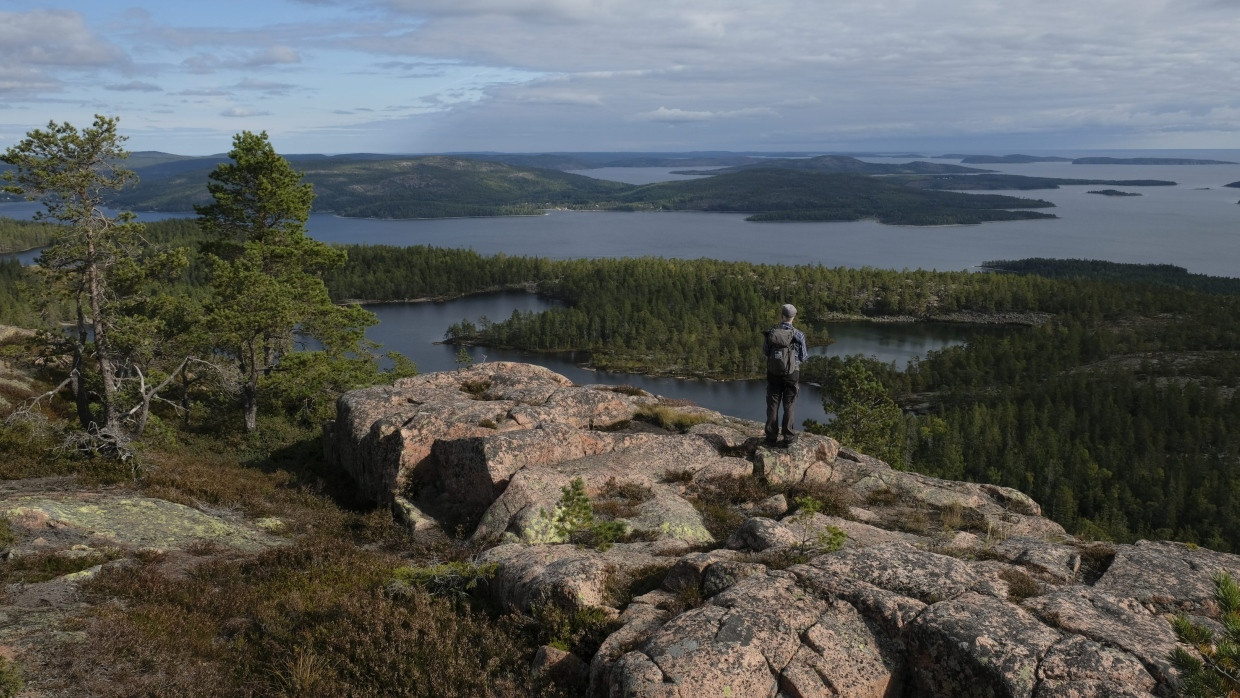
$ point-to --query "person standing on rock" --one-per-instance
(784, 348)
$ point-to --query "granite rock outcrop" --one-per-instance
(748, 570)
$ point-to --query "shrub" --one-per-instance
(7, 537)
(580, 632)
(454, 580)
(476, 389)
(628, 390)
(43, 566)
(829, 539)
(573, 521)
(1020, 585)
(32, 448)
(11, 682)
(884, 496)
(683, 477)
(834, 498)
(1215, 669)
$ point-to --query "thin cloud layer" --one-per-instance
(522, 75)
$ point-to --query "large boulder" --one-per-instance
(901, 585)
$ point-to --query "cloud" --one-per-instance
(242, 112)
(54, 38)
(36, 46)
(206, 92)
(264, 86)
(675, 116)
(204, 63)
(275, 55)
(614, 74)
(679, 116)
(134, 86)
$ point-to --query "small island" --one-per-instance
(1113, 192)
(1233, 185)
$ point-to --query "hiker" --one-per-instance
(784, 349)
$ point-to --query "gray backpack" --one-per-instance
(782, 359)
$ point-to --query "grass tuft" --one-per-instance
(669, 418)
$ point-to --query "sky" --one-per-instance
(424, 76)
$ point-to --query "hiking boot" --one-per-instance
(771, 441)
(791, 436)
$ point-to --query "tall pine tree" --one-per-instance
(266, 272)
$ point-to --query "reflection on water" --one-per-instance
(413, 328)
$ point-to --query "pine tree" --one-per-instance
(266, 272)
(866, 418)
(103, 267)
(1217, 672)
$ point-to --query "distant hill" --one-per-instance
(1006, 181)
(840, 164)
(363, 186)
(1148, 161)
(589, 161)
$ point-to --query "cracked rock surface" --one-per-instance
(908, 585)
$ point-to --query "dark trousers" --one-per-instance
(781, 390)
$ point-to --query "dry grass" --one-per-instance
(951, 517)
(669, 418)
(308, 619)
(1020, 585)
(42, 566)
(312, 618)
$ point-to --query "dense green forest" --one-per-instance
(1116, 413)
(19, 236)
(1167, 274)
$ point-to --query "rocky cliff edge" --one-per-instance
(748, 570)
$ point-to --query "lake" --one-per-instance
(414, 328)
(1195, 225)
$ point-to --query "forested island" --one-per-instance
(1006, 159)
(1016, 182)
(839, 164)
(1113, 192)
(443, 186)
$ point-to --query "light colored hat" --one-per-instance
(789, 311)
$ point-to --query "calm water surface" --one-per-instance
(414, 328)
